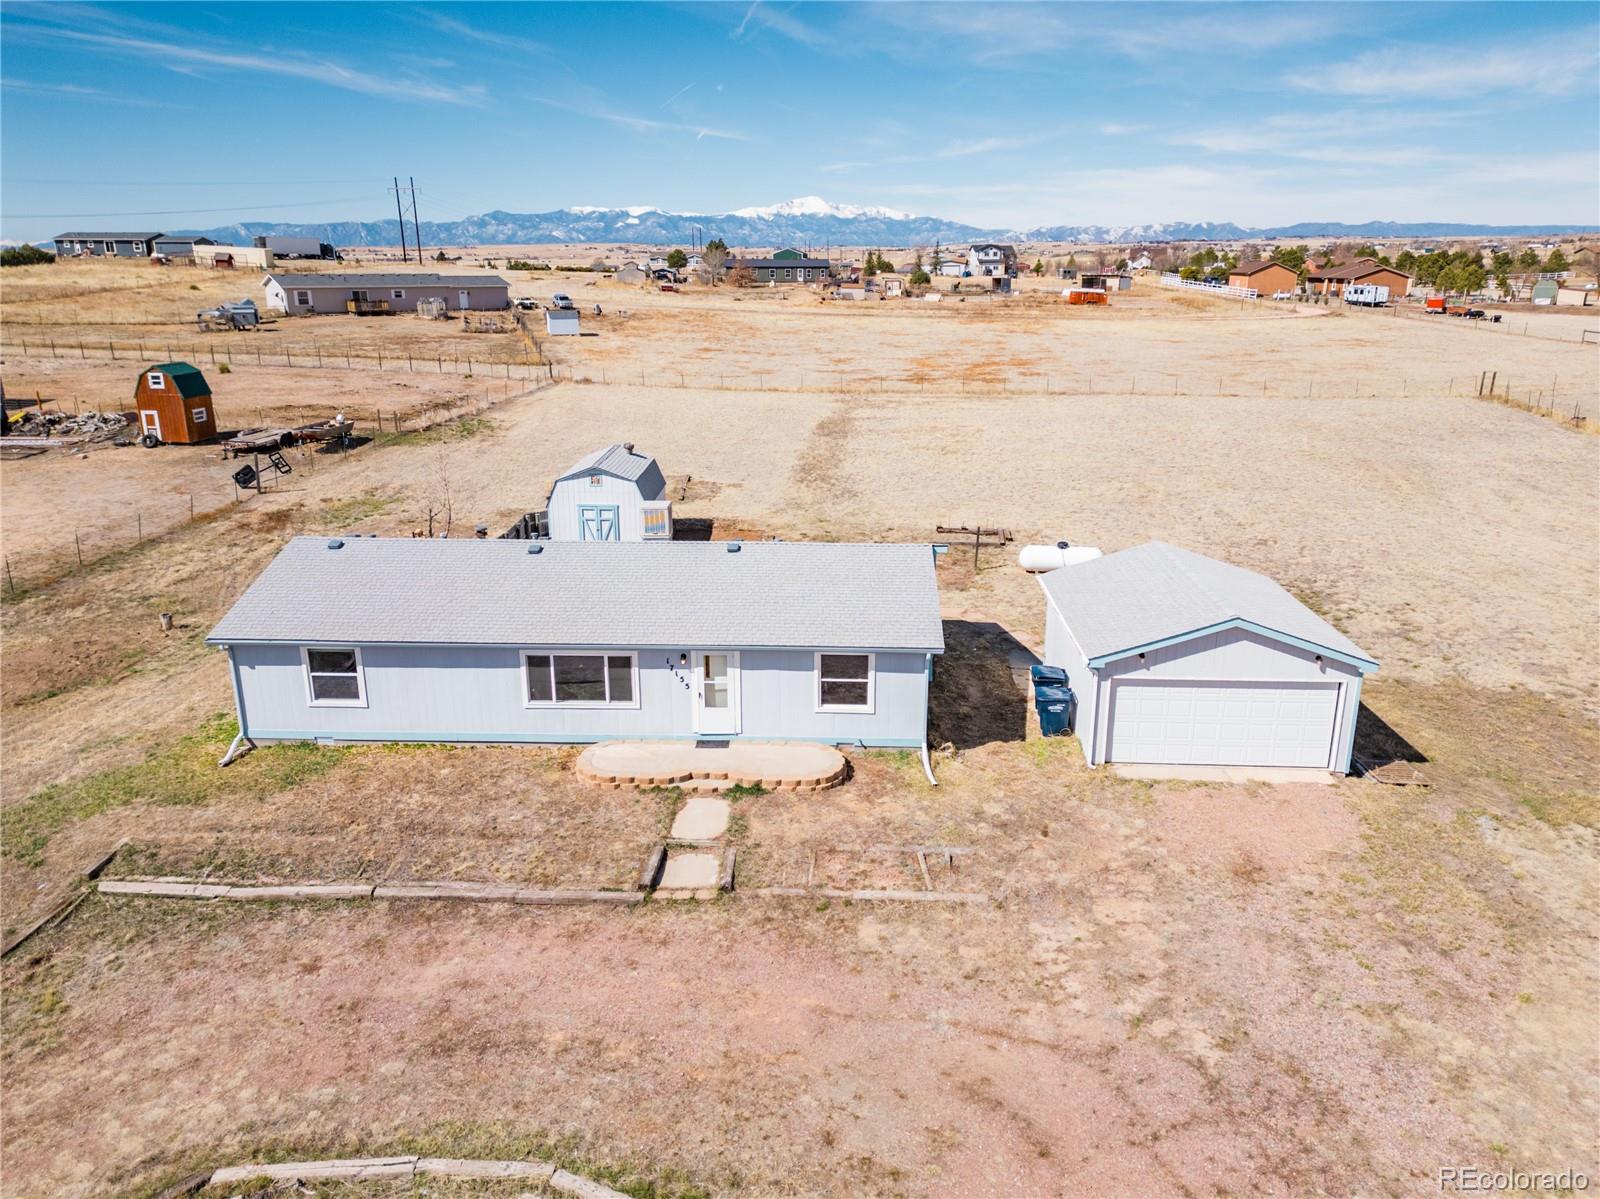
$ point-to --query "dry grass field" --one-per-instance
(1175, 989)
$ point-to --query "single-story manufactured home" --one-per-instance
(299, 295)
(1268, 278)
(786, 266)
(437, 640)
(1332, 280)
(613, 494)
(1180, 659)
(108, 245)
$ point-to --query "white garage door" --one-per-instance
(1222, 724)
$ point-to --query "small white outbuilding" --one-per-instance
(614, 494)
(1179, 659)
(561, 322)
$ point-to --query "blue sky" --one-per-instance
(191, 115)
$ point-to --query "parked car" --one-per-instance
(527, 304)
(1283, 295)
(562, 300)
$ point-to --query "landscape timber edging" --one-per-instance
(400, 1167)
(469, 892)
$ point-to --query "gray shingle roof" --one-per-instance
(1155, 591)
(811, 595)
(386, 279)
(622, 463)
(106, 236)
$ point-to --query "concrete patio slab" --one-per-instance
(775, 765)
(1226, 774)
(695, 870)
(701, 819)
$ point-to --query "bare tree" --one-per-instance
(437, 500)
(716, 259)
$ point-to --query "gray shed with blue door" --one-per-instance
(367, 639)
(613, 494)
(1179, 659)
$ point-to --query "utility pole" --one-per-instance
(400, 218)
(416, 225)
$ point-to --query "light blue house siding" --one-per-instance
(476, 693)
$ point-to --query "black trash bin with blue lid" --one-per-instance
(1053, 700)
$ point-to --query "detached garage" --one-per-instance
(1180, 659)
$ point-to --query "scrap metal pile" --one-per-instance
(92, 426)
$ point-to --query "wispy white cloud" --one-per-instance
(1552, 66)
(640, 124)
(780, 21)
(79, 92)
(678, 95)
(487, 37)
(182, 53)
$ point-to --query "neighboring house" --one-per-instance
(106, 245)
(173, 401)
(1180, 659)
(179, 247)
(1332, 280)
(1140, 262)
(299, 295)
(992, 258)
(467, 640)
(695, 262)
(630, 272)
(1268, 278)
(614, 494)
(953, 269)
(232, 256)
(786, 266)
(656, 262)
(562, 322)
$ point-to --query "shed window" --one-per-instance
(582, 680)
(844, 682)
(158, 381)
(201, 415)
(333, 677)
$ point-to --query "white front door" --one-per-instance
(150, 422)
(716, 693)
(462, 297)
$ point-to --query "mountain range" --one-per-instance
(815, 222)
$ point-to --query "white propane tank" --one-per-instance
(1039, 558)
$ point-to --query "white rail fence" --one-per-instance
(1168, 279)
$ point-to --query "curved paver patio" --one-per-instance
(775, 765)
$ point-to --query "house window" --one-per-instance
(201, 416)
(844, 682)
(398, 293)
(359, 294)
(581, 680)
(334, 678)
(787, 273)
(302, 298)
(158, 381)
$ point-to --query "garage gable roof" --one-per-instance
(766, 594)
(1157, 594)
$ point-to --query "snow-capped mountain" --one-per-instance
(815, 222)
(817, 206)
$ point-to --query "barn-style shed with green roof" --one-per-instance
(173, 400)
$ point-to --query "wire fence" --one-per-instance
(91, 544)
(335, 357)
(1378, 384)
